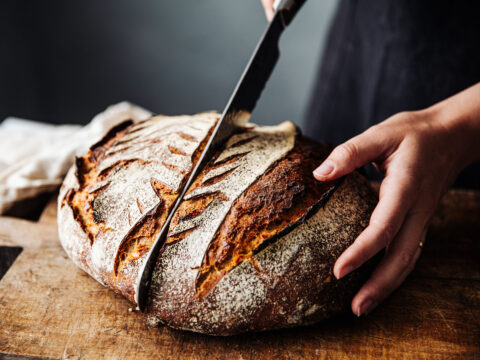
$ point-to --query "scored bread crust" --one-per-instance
(290, 229)
(253, 243)
(115, 199)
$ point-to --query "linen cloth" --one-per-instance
(34, 156)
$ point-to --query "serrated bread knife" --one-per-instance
(238, 111)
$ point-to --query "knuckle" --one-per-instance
(377, 130)
(413, 263)
(348, 151)
(395, 117)
(386, 231)
(405, 259)
(404, 118)
(389, 232)
(407, 115)
(374, 128)
(409, 176)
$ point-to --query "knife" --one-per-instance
(237, 112)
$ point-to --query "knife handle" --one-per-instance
(287, 9)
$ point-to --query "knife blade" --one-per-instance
(237, 112)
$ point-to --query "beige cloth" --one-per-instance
(34, 157)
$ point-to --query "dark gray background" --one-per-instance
(64, 61)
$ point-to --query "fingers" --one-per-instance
(353, 154)
(268, 6)
(396, 197)
(399, 261)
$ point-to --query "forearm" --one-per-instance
(460, 116)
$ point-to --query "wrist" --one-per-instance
(459, 117)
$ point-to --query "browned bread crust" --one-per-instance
(116, 198)
(272, 205)
(269, 265)
(251, 247)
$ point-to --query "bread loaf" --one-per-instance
(250, 248)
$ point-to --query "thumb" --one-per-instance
(354, 153)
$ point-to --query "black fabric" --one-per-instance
(383, 57)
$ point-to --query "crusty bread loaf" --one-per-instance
(253, 243)
(115, 199)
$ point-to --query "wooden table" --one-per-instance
(51, 309)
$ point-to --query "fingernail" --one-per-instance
(345, 271)
(366, 307)
(325, 169)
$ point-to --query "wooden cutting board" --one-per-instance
(51, 309)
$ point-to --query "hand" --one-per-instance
(268, 6)
(420, 153)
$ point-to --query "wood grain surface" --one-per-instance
(51, 309)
